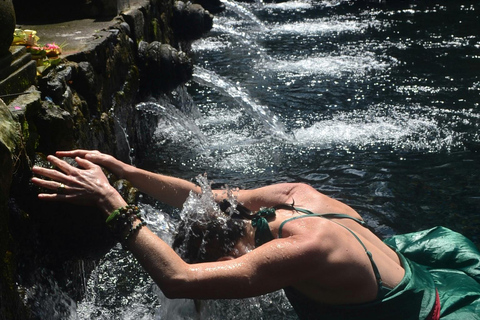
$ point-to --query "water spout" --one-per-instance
(262, 114)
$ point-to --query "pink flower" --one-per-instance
(52, 49)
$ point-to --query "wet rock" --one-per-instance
(191, 21)
(10, 306)
(136, 22)
(125, 27)
(8, 130)
(55, 86)
(163, 67)
(29, 135)
(17, 72)
(86, 83)
(53, 125)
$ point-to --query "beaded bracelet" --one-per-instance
(121, 221)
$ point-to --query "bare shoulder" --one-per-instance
(299, 194)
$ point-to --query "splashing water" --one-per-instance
(118, 288)
(206, 227)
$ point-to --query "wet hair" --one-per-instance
(207, 241)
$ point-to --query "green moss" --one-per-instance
(155, 28)
(30, 137)
(25, 130)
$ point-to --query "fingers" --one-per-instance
(61, 164)
(92, 155)
(57, 178)
(56, 197)
(85, 184)
(50, 173)
(48, 184)
(74, 153)
(52, 197)
(61, 194)
(85, 163)
(59, 187)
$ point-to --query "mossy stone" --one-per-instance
(10, 305)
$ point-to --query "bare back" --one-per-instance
(345, 272)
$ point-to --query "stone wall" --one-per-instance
(87, 101)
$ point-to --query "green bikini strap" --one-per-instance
(260, 223)
(339, 215)
(370, 257)
(280, 229)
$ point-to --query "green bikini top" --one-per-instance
(262, 230)
(264, 235)
(260, 223)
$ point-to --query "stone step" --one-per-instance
(18, 81)
(18, 58)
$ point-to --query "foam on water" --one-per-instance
(394, 126)
(210, 44)
(316, 27)
(289, 5)
(335, 66)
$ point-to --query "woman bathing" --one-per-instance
(289, 237)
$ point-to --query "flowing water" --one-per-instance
(375, 104)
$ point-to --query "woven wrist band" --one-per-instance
(120, 222)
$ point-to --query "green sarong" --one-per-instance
(454, 264)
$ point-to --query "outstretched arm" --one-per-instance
(170, 190)
(174, 191)
(273, 266)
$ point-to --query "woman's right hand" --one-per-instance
(107, 161)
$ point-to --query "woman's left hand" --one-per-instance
(86, 185)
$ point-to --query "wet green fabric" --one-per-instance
(260, 223)
(453, 262)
